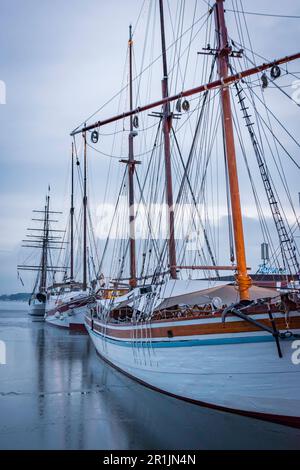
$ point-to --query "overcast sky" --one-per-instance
(60, 60)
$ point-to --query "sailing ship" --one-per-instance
(44, 239)
(67, 300)
(210, 341)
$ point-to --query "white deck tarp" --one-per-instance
(187, 292)
(228, 293)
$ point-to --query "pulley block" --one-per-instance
(135, 122)
(264, 80)
(275, 72)
(178, 105)
(185, 105)
(94, 137)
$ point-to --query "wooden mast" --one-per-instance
(72, 219)
(44, 241)
(131, 169)
(242, 277)
(84, 276)
(43, 280)
(167, 123)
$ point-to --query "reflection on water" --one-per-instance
(55, 393)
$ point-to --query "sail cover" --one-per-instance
(203, 292)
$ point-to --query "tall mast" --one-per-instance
(167, 122)
(84, 277)
(131, 169)
(45, 240)
(72, 219)
(242, 277)
(43, 280)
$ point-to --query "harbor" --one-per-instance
(56, 394)
(149, 252)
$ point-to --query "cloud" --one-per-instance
(60, 61)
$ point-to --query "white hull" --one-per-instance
(68, 311)
(72, 318)
(240, 372)
(37, 309)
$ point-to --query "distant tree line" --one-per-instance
(20, 296)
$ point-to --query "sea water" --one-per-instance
(56, 393)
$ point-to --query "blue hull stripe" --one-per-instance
(184, 343)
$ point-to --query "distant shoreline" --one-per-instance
(21, 296)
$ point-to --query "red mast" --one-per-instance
(84, 276)
(131, 169)
(72, 219)
(44, 263)
(242, 277)
(167, 122)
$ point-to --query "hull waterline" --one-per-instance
(76, 324)
(68, 313)
(240, 373)
(37, 309)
